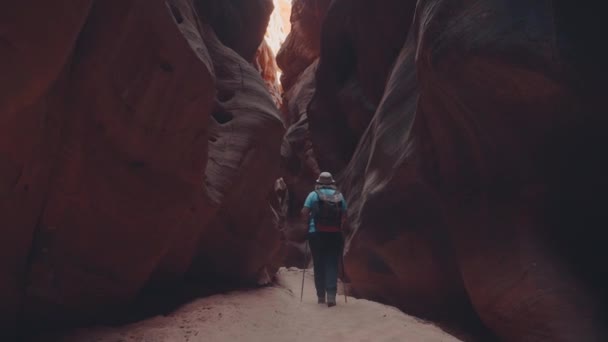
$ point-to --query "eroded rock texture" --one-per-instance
(469, 171)
(239, 24)
(299, 165)
(498, 106)
(298, 59)
(266, 64)
(132, 143)
(302, 45)
(398, 252)
(359, 42)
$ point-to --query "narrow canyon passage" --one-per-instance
(152, 146)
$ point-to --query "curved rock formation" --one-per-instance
(298, 59)
(279, 25)
(30, 67)
(244, 140)
(497, 103)
(132, 143)
(359, 42)
(299, 165)
(470, 170)
(265, 63)
(399, 251)
(240, 25)
(302, 45)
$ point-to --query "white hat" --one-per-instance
(325, 178)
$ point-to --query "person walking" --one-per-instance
(325, 209)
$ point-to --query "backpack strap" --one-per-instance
(322, 197)
(315, 207)
(319, 194)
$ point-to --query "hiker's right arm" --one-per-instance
(345, 227)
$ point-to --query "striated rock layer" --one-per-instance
(302, 45)
(298, 59)
(134, 148)
(472, 159)
(239, 24)
(359, 42)
(265, 63)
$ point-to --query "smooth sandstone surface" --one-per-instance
(469, 169)
(139, 145)
(135, 148)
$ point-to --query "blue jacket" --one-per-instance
(312, 199)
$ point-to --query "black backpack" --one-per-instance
(328, 210)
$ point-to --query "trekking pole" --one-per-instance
(304, 269)
(342, 259)
(343, 278)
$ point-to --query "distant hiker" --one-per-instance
(325, 210)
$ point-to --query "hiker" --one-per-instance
(324, 209)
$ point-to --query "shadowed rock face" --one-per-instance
(132, 143)
(359, 42)
(298, 59)
(391, 207)
(340, 35)
(299, 165)
(498, 106)
(136, 147)
(302, 45)
(239, 24)
(469, 179)
(266, 64)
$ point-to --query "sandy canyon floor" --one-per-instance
(272, 314)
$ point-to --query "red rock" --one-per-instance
(31, 66)
(299, 166)
(127, 142)
(297, 59)
(240, 25)
(454, 176)
(245, 140)
(359, 42)
(265, 63)
(494, 109)
(470, 170)
(302, 45)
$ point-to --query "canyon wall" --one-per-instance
(467, 138)
(138, 145)
(298, 60)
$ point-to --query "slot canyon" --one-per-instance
(155, 152)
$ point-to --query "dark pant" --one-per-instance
(326, 249)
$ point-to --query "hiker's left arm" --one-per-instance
(305, 213)
(307, 205)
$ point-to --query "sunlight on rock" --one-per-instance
(278, 27)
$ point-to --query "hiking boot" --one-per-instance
(321, 300)
(331, 301)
